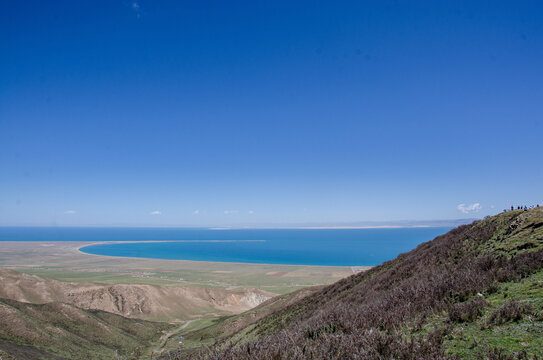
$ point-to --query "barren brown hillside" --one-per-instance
(135, 301)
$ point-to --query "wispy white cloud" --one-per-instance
(156, 212)
(468, 209)
(196, 212)
(231, 212)
(136, 8)
(251, 212)
(70, 212)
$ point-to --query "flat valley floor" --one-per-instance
(63, 261)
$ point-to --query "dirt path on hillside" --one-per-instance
(164, 338)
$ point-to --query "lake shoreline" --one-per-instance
(63, 261)
(201, 261)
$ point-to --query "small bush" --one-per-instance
(496, 353)
(510, 311)
(492, 288)
(467, 312)
(314, 334)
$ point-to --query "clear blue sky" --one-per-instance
(229, 113)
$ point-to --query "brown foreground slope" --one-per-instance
(131, 300)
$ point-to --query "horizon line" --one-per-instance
(307, 226)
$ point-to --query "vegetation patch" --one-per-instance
(473, 293)
(510, 311)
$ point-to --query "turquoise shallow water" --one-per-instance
(337, 247)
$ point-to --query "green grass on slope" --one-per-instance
(60, 331)
(472, 339)
(516, 232)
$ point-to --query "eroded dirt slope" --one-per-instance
(135, 301)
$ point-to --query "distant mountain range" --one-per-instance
(363, 224)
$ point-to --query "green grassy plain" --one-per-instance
(62, 261)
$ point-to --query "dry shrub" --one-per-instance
(467, 312)
(496, 353)
(510, 311)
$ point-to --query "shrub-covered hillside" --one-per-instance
(475, 292)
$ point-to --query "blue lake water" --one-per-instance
(337, 247)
